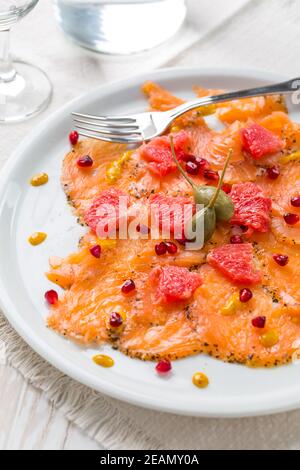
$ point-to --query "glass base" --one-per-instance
(120, 26)
(26, 95)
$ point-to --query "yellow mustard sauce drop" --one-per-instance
(114, 170)
(39, 179)
(37, 238)
(200, 380)
(207, 110)
(107, 243)
(269, 339)
(175, 129)
(292, 157)
(232, 305)
(103, 360)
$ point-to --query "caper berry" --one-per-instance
(223, 206)
(217, 204)
(205, 218)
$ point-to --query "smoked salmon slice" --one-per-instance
(233, 338)
(281, 281)
(186, 302)
(244, 109)
(280, 124)
(161, 99)
(84, 276)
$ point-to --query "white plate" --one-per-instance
(234, 390)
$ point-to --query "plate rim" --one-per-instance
(271, 405)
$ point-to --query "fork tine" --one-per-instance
(121, 119)
(119, 132)
(106, 125)
(118, 140)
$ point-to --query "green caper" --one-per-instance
(223, 206)
(216, 202)
(205, 218)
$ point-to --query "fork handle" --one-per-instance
(285, 87)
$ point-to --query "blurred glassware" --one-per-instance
(25, 90)
(120, 26)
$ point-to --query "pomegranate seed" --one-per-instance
(115, 320)
(273, 172)
(236, 240)
(161, 248)
(295, 201)
(85, 162)
(188, 157)
(282, 260)
(171, 248)
(163, 366)
(245, 295)
(259, 322)
(128, 286)
(51, 297)
(211, 175)
(73, 137)
(96, 251)
(291, 219)
(192, 168)
(143, 229)
(202, 163)
(226, 187)
(236, 230)
(181, 241)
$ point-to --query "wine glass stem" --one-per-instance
(7, 71)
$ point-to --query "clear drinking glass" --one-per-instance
(120, 26)
(24, 89)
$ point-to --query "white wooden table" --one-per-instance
(240, 33)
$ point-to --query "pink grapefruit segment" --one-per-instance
(159, 156)
(251, 207)
(236, 263)
(259, 142)
(174, 284)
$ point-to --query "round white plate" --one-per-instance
(234, 390)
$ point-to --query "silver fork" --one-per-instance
(144, 126)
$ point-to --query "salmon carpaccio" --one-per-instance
(92, 286)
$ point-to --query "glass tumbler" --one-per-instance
(120, 26)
